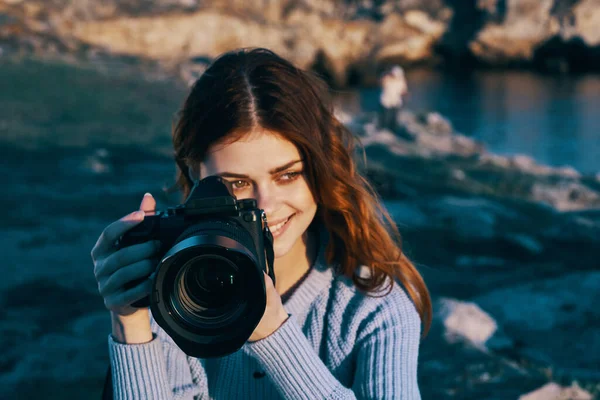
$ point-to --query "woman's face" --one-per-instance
(268, 168)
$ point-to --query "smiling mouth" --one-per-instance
(275, 229)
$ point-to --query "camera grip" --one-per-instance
(143, 232)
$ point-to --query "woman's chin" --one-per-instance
(280, 251)
(283, 246)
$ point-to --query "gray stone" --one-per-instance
(566, 307)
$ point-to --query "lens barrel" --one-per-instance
(210, 292)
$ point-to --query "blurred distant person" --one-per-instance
(393, 88)
(345, 314)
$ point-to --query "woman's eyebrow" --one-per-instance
(272, 171)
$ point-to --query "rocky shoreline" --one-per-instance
(346, 42)
(507, 247)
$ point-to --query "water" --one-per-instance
(551, 118)
(79, 148)
(554, 119)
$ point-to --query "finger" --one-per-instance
(148, 203)
(126, 256)
(268, 280)
(126, 297)
(117, 281)
(269, 286)
(114, 231)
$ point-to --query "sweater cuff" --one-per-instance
(138, 370)
(292, 365)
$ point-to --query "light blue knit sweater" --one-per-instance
(337, 344)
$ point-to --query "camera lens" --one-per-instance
(210, 282)
(207, 284)
(209, 292)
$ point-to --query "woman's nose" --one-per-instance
(267, 198)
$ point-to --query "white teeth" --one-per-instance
(277, 227)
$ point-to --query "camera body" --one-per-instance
(208, 290)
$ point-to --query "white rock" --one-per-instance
(553, 391)
(569, 172)
(564, 196)
(458, 174)
(523, 161)
(420, 20)
(494, 159)
(343, 116)
(466, 320)
(438, 124)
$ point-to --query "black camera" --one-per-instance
(208, 290)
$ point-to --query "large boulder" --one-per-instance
(346, 41)
(554, 34)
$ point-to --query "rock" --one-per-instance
(89, 324)
(347, 47)
(524, 25)
(465, 321)
(423, 22)
(407, 214)
(523, 162)
(565, 196)
(433, 135)
(464, 164)
(438, 124)
(408, 37)
(190, 70)
(495, 160)
(60, 357)
(526, 242)
(98, 163)
(468, 218)
(529, 311)
(555, 35)
(586, 18)
(470, 261)
(527, 164)
(553, 391)
(458, 174)
(349, 41)
(568, 172)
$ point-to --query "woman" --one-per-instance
(344, 318)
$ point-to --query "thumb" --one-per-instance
(148, 203)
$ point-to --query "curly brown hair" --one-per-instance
(249, 88)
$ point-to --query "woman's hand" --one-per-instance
(274, 316)
(115, 270)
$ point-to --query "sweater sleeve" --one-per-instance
(158, 369)
(386, 360)
(294, 367)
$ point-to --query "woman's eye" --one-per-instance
(239, 184)
(290, 176)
